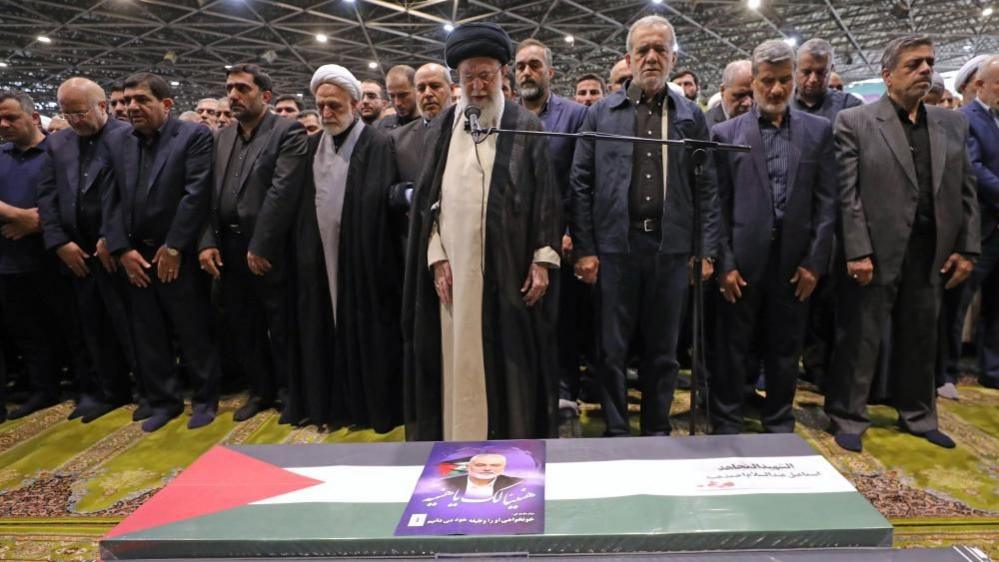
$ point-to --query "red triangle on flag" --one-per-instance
(221, 479)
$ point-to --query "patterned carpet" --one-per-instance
(63, 484)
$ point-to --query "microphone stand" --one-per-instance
(698, 150)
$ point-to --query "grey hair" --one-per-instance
(732, 68)
(24, 100)
(893, 50)
(993, 59)
(649, 21)
(773, 51)
(207, 99)
(820, 49)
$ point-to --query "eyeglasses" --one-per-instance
(76, 115)
(486, 76)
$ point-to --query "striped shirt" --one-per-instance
(777, 151)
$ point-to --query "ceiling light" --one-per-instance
(372, 65)
(987, 12)
(967, 47)
(449, 27)
(44, 39)
(3, 64)
(657, 1)
(569, 38)
(753, 4)
(228, 67)
(321, 38)
(174, 83)
(791, 41)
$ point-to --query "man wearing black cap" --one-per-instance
(478, 325)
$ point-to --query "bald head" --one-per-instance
(83, 104)
(399, 83)
(433, 89)
(80, 86)
(737, 88)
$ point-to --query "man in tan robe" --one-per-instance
(481, 354)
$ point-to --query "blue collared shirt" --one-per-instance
(19, 174)
(560, 115)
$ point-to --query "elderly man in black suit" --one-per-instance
(259, 168)
(910, 224)
(154, 215)
(72, 183)
(778, 217)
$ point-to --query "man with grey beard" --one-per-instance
(484, 234)
(348, 273)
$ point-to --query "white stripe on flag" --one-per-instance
(600, 479)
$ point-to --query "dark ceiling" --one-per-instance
(191, 41)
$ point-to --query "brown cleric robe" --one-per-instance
(349, 366)
(485, 367)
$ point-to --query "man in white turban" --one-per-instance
(964, 80)
(348, 280)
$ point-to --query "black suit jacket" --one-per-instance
(747, 197)
(410, 148)
(269, 192)
(715, 115)
(59, 183)
(878, 190)
(179, 188)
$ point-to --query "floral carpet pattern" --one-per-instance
(64, 484)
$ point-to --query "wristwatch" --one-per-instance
(172, 252)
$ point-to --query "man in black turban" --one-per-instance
(480, 305)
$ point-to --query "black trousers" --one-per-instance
(820, 334)
(642, 291)
(162, 311)
(41, 317)
(255, 312)
(912, 303)
(768, 314)
(100, 297)
(956, 301)
(575, 332)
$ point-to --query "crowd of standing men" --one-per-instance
(353, 265)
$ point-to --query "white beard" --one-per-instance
(490, 109)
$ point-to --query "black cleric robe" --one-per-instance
(519, 342)
(349, 372)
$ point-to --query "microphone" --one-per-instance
(472, 114)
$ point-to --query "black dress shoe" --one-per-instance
(35, 403)
(849, 441)
(157, 420)
(144, 411)
(83, 405)
(100, 409)
(938, 438)
(201, 415)
(252, 407)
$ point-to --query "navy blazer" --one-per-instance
(601, 179)
(59, 183)
(747, 197)
(180, 184)
(562, 116)
(983, 150)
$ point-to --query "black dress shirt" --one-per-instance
(918, 136)
(645, 195)
(234, 172)
(88, 204)
(147, 156)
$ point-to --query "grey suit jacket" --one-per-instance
(410, 147)
(878, 190)
(269, 190)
